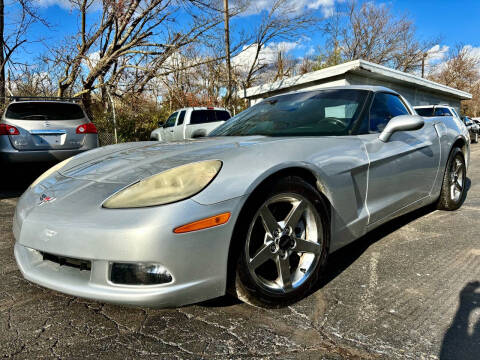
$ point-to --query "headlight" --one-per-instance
(169, 186)
(50, 172)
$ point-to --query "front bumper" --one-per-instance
(197, 261)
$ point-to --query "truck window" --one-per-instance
(222, 115)
(207, 116)
(171, 120)
(181, 117)
(426, 112)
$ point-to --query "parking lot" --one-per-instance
(408, 290)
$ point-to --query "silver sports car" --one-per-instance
(254, 209)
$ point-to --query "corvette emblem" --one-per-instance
(44, 199)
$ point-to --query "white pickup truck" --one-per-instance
(190, 123)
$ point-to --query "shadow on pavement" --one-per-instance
(341, 259)
(17, 177)
(344, 257)
(459, 342)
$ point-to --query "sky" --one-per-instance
(452, 22)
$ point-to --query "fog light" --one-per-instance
(139, 274)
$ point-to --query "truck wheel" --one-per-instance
(454, 179)
(282, 241)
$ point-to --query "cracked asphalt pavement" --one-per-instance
(409, 290)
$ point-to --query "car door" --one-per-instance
(178, 131)
(403, 169)
(168, 127)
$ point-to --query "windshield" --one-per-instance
(44, 111)
(313, 113)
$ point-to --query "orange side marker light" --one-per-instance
(206, 223)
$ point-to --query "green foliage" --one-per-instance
(135, 120)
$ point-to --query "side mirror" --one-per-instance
(401, 123)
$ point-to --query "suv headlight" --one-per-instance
(169, 186)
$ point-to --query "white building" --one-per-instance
(416, 90)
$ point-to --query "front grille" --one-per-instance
(66, 261)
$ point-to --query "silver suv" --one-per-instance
(44, 129)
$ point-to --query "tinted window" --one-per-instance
(425, 112)
(44, 111)
(181, 117)
(171, 120)
(312, 113)
(442, 111)
(207, 116)
(222, 115)
(385, 107)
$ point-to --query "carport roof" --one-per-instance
(359, 67)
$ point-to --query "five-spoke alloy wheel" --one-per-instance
(454, 182)
(285, 243)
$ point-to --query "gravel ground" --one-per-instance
(410, 289)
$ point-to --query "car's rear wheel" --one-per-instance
(282, 242)
(454, 180)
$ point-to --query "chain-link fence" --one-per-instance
(106, 138)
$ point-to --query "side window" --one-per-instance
(171, 120)
(222, 115)
(385, 107)
(202, 117)
(181, 117)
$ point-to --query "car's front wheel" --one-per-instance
(454, 180)
(282, 242)
(475, 138)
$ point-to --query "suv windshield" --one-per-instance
(313, 113)
(44, 111)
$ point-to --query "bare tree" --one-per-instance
(130, 34)
(461, 70)
(365, 30)
(14, 33)
(282, 22)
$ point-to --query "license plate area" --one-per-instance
(49, 138)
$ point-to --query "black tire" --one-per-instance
(455, 166)
(248, 287)
(475, 138)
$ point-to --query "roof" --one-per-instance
(372, 88)
(360, 67)
(44, 99)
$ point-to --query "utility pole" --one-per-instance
(227, 53)
(423, 64)
(2, 52)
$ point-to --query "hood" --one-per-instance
(128, 163)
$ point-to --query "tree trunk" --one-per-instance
(2, 52)
(87, 104)
(227, 53)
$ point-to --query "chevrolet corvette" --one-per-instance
(254, 209)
